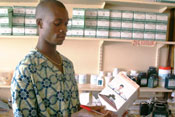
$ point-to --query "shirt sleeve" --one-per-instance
(23, 94)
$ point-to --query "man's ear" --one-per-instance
(39, 23)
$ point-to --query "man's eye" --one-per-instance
(57, 24)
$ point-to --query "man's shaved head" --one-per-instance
(44, 7)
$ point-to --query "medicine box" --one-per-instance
(77, 32)
(150, 26)
(91, 23)
(103, 23)
(160, 36)
(91, 13)
(30, 11)
(18, 30)
(30, 31)
(6, 21)
(19, 11)
(103, 14)
(69, 32)
(115, 14)
(161, 27)
(139, 16)
(30, 21)
(151, 17)
(78, 23)
(78, 13)
(114, 33)
(115, 24)
(18, 21)
(5, 10)
(138, 35)
(127, 15)
(149, 35)
(126, 34)
(137, 25)
(162, 17)
(89, 32)
(5, 30)
(102, 33)
(127, 25)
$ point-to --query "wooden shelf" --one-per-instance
(4, 86)
(158, 89)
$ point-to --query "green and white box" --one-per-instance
(69, 25)
(90, 32)
(115, 24)
(18, 21)
(127, 15)
(78, 23)
(103, 13)
(150, 26)
(77, 32)
(30, 31)
(161, 27)
(19, 11)
(149, 35)
(151, 17)
(126, 34)
(78, 13)
(69, 32)
(6, 21)
(114, 33)
(103, 23)
(5, 30)
(91, 23)
(5, 10)
(137, 25)
(138, 35)
(162, 17)
(30, 21)
(91, 13)
(127, 25)
(115, 14)
(102, 33)
(30, 11)
(160, 36)
(18, 30)
(139, 16)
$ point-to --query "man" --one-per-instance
(43, 83)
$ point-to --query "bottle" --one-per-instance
(170, 82)
(151, 70)
(142, 79)
(153, 81)
(160, 110)
(133, 75)
(100, 79)
(108, 78)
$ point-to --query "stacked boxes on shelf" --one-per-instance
(168, 1)
(5, 20)
(105, 23)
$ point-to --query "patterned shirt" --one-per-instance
(39, 88)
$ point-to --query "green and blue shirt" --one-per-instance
(38, 88)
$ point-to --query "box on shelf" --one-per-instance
(114, 33)
(91, 23)
(5, 10)
(127, 25)
(150, 26)
(149, 35)
(30, 31)
(115, 24)
(138, 35)
(89, 32)
(18, 30)
(126, 34)
(103, 23)
(162, 17)
(139, 16)
(115, 14)
(77, 32)
(102, 33)
(19, 11)
(127, 15)
(78, 13)
(30, 21)
(69, 32)
(91, 13)
(6, 21)
(138, 25)
(18, 21)
(30, 11)
(5, 30)
(151, 17)
(161, 27)
(78, 23)
(160, 36)
(119, 94)
(103, 14)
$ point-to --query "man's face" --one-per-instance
(55, 26)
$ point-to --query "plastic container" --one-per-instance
(142, 79)
(163, 72)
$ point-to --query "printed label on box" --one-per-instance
(18, 20)
(30, 11)
(90, 23)
(30, 21)
(17, 30)
(102, 33)
(126, 34)
(127, 15)
(138, 25)
(3, 10)
(161, 26)
(103, 13)
(161, 36)
(31, 31)
(138, 35)
(150, 26)
(162, 17)
(78, 22)
(116, 14)
(139, 16)
(103, 23)
(90, 32)
(5, 30)
(19, 10)
(149, 35)
(78, 12)
(77, 32)
(91, 13)
(4, 20)
(115, 24)
(114, 34)
(126, 24)
(151, 16)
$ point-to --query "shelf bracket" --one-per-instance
(162, 9)
(103, 5)
(100, 56)
(159, 46)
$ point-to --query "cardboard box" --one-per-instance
(5, 30)
(139, 16)
(103, 23)
(30, 21)
(102, 33)
(113, 33)
(127, 25)
(150, 26)
(149, 35)
(31, 31)
(151, 17)
(115, 14)
(160, 36)
(6, 21)
(115, 24)
(126, 34)
(161, 27)
(78, 23)
(119, 94)
(5, 10)
(30, 11)
(127, 15)
(78, 13)
(103, 14)
(19, 11)
(18, 21)
(138, 25)
(90, 32)
(162, 17)
(138, 35)
(69, 32)
(77, 32)
(18, 30)
(91, 13)
(91, 23)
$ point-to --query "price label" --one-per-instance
(146, 43)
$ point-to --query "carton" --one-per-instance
(119, 94)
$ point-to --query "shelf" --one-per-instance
(158, 89)
(4, 86)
